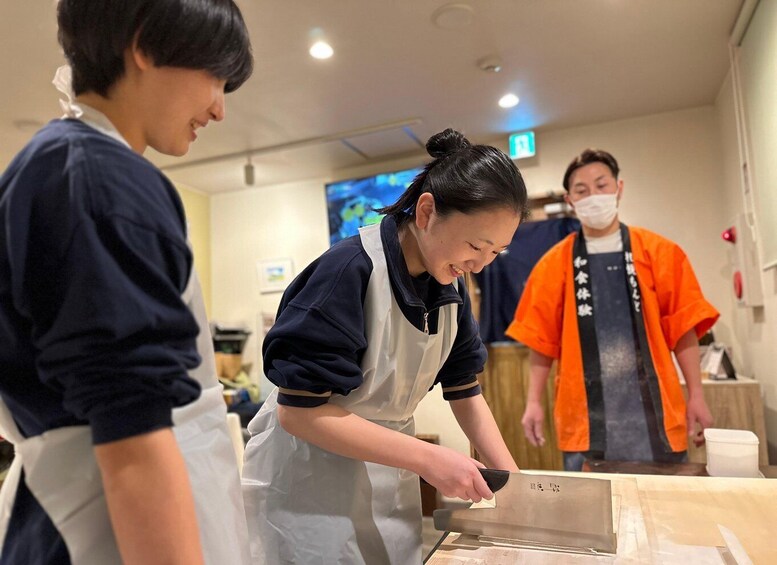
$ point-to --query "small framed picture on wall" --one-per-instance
(274, 274)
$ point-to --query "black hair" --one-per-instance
(463, 178)
(586, 158)
(207, 35)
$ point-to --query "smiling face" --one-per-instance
(179, 102)
(449, 246)
(160, 107)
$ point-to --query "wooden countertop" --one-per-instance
(644, 468)
(660, 519)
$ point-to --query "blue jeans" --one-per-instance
(573, 460)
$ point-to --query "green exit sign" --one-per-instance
(522, 145)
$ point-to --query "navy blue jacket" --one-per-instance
(93, 260)
(319, 336)
(93, 330)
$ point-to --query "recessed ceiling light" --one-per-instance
(321, 50)
(508, 100)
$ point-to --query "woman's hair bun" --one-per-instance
(445, 143)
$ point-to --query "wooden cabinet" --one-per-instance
(734, 405)
(430, 498)
(505, 383)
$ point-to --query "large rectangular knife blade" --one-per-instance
(553, 510)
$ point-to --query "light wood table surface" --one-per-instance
(660, 519)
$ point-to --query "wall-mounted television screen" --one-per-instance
(355, 203)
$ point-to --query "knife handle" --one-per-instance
(495, 478)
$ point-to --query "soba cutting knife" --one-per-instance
(558, 511)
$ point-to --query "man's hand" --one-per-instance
(698, 412)
(533, 418)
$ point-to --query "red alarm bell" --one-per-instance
(730, 235)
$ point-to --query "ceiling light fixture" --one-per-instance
(319, 46)
(508, 100)
(490, 64)
(321, 50)
(248, 172)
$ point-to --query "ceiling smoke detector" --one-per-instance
(453, 16)
(490, 64)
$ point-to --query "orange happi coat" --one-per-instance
(673, 304)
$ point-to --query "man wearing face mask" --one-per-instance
(611, 303)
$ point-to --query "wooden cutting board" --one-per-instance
(658, 519)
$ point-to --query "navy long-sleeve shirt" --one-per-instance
(318, 340)
(93, 261)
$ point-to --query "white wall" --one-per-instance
(197, 207)
(754, 329)
(266, 223)
(673, 185)
(757, 66)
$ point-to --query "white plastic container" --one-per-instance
(731, 453)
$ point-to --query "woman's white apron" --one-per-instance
(306, 505)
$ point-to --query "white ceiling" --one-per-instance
(571, 62)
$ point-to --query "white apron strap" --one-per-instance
(11, 433)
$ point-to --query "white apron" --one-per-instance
(61, 470)
(306, 505)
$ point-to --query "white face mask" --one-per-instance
(597, 211)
